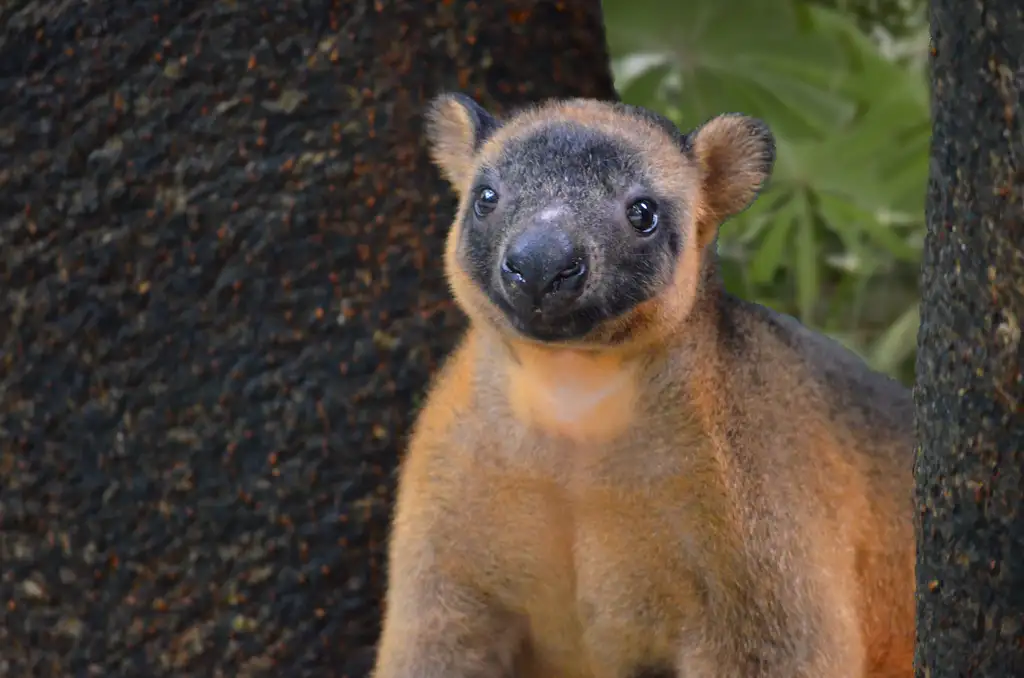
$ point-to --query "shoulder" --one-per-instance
(780, 347)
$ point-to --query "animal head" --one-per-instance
(586, 223)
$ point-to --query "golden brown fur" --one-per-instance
(735, 500)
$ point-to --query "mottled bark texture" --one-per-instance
(970, 562)
(221, 298)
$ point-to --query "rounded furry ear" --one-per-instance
(456, 127)
(735, 154)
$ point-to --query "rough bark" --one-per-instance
(222, 296)
(970, 562)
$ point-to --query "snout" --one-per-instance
(543, 271)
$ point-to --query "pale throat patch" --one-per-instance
(572, 394)
(569, 402)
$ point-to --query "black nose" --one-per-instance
(544, 269)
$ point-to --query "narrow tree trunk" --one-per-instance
(970, 394)
(222, 295)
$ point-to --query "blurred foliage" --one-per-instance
(900, 18)
(835, 239)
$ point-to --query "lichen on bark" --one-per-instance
(969, 391)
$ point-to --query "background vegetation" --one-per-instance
(836, 238)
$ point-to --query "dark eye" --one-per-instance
(486, 201)
(643, 216)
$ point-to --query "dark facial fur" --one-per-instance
(575, 214)
(577, 184)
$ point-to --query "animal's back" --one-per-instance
(847, 456)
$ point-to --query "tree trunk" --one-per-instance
(970, 561)
(222, 297)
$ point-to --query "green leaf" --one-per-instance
(644, 88)
(870, 75)
(751, 222)
(734, 278)
(806, 260)
(730, 58)
(820, 108)
(772, 252)
(844, 216)
(898, 342)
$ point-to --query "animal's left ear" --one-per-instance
(735, 155)
(456, 127)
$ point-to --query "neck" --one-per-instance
(586, 396)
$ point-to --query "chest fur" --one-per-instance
(604, 511)
(608, 576)
(605, 548)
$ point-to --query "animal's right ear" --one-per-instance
(457, 127)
